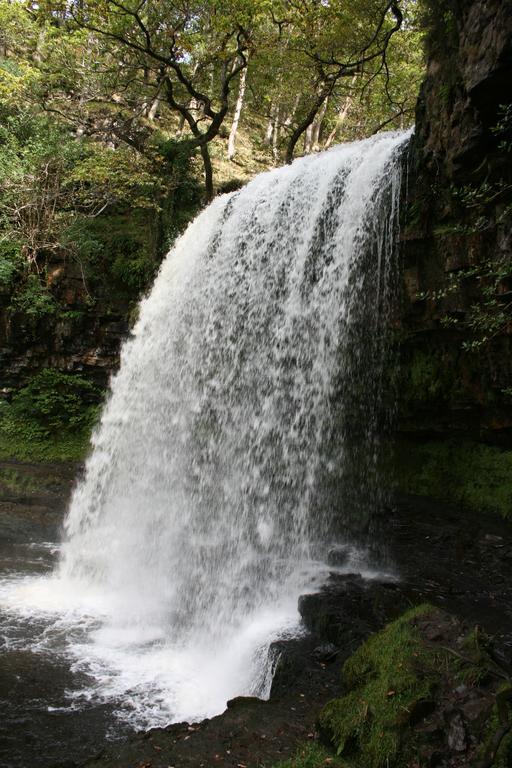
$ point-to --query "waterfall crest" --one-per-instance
(220, 469)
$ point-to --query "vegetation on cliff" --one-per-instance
(50, 419)
(118, 120)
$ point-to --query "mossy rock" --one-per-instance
(423, 689)
(500, 753)
(388, 680)
(429, 377)
(426, 690)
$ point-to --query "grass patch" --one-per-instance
(20, 440)
(479, 476)
(311, 756)
(387, 679)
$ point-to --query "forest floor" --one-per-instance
(442, 555)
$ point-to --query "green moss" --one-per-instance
(20, 479)
(17, 482)
(503, 758)
(446, 230)
(11, 263)
(33, 299)
(386, 679)
(126, 255)
(479, 476)
(311, 756)
(56, 401)
(428, 378)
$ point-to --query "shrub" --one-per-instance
(54, 401)
(10, 263)
(33, 299)
(132, 266)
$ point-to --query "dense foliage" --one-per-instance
(106, 106)
(50, 418)
(118, 119)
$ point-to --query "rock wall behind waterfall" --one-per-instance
(455, 393)
(458, 218)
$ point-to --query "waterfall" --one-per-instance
(239, 438)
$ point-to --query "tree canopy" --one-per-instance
(109, 105)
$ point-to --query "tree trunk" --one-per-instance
(291, 113)
(317, 126)
(154, 108)
(341, 117)
(208, 173)
(181, 127)
(236, 117)
(275, 135)
(308, 139)
(342, 114)
(40, 42)
(191, 106)
(270, 126)
(304, 125)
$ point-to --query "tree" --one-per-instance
(159, 80)
(183, 55)
(332, 68)
(238, 112)
(336, 45)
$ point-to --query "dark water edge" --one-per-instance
(444, 555)
(38, 725)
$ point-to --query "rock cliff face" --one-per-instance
(81, 339)
(456, 322)
(468, 80)
(76, 322)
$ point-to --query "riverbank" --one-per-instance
(433, 553)
(441, 555)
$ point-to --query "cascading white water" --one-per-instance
(203, 508)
